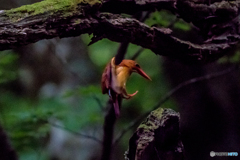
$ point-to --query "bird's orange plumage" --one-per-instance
(114, 80)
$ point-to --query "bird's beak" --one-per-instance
(142, 73)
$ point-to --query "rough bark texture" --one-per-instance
(157, 138)
(217, 22)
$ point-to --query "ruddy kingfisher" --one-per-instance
(114, 80)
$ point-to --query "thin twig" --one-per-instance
(99, 103)
(139, 51)
(170, 93)
(194, 80)
(76, 133)
(77, 76)
(157, 153)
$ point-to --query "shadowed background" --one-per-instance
(52, 108)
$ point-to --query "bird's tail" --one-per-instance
(115, 101)
(116, 107)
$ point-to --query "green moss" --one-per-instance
(78, 21)
(232, 58)
(161, 18)
(182, 25)
(150, 122)
(92, 2)
(158, 113)
(47, 6)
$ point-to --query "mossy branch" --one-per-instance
(55, 18)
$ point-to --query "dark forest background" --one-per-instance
(51, 105)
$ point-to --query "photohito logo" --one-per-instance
(213, 154)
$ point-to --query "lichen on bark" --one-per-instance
(158, 137)
(48, 6)
(217, 23)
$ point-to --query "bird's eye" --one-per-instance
(137, 65)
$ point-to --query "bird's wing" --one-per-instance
(106, 79)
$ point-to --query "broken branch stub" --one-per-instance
(157, 137)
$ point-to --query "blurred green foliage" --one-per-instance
(26, 121)
(8, 66)
(161, 18)
(231, 58)
(164, 18)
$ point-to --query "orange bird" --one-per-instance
(114, 80)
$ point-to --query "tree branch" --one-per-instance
(25, 25)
